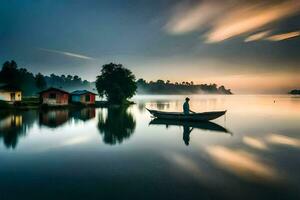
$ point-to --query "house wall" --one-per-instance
(76, 98)
(6, 96)
(61, 98)
(92, 99)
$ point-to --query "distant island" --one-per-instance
(294, 92)
(30, 84)
(166, 87)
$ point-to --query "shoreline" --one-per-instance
(98, 104)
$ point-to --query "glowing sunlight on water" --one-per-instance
(283, 140)
(241, 163)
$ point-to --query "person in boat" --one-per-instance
(186, 107)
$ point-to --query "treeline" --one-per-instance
(69, 82)
(31, 83)
(162, 87)
(294, 92)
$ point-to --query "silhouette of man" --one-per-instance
(186, 107)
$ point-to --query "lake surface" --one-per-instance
(251, 153)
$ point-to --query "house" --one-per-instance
(54, 96)
(10, 94)
(83, 96)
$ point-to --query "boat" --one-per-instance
(203, 125)
(203, 116)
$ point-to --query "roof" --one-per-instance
(81, 92)
(7, 87)
(54, 89)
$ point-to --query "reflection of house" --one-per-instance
(10, 93)
(15, 124)
(54, 96)
(54, 118)
(83, 96)
(84, 114)
(11, 121)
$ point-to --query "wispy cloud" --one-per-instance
(75, 55)
(284, 36)
(257, 36)
(229, 18)
(187, 18)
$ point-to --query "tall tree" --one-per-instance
(40, 81)
(9, 73)
(116, 83)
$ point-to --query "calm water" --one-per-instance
(251, 153)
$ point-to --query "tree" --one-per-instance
(9, 73)
(116, 83)
(40, 81)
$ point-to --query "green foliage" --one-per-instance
(40, 81)
(17, 77)
(116, 83)
(68, 82)
(295, 92)
(4, 104)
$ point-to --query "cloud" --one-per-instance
(226, 19)
(283, 36)
(75, 55)
(187, 18)
(257, 36)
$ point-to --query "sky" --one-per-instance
(250, 46)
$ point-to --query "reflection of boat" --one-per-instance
(198, 125)
(204, 116)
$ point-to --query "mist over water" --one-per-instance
(251, 153)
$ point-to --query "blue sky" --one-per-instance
(249, 46)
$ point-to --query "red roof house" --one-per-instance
(54, 96)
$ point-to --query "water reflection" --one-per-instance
(254, 143)
(141, 107)
(84, 114)
(242, 163)
(14, 125)
(160, 104)
(188, 127)
(118, 124)
(283, 140)
(55, 118)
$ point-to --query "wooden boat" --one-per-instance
(203, 125)
(204, 116)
